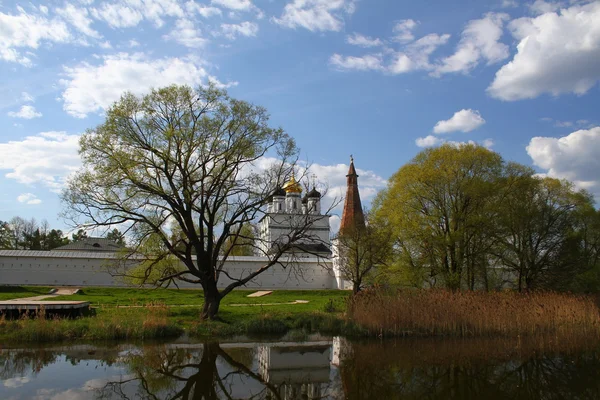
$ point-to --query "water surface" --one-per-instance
(314, 369)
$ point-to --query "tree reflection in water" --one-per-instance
(468, 369)
(165, 373)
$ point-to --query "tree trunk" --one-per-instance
(212, 300)
(355, 287)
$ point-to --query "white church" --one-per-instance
(311, 263)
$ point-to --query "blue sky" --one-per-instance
(373, 78)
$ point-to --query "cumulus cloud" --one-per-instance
(480, 41)
(463, 121)
(25, 112)
(246, 28)
(186, 34)
(357, 39)
(46, 159)
(429, 141)
(28, 198)
(558, 52)
(403, 30)
(92, 88)
(28, 31)
(573, 157)
(316, 15)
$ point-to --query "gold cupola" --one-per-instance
(292, 186)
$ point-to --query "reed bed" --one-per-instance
(471, 314)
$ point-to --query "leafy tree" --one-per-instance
(241, 244)
(53, 239)
(79, 235)
(438, 207)
(185, 160)
(6, 236)
(116, 236)
(538, 234)
(361, 250)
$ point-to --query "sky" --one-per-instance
(377, 79)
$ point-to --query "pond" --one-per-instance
(316, 368)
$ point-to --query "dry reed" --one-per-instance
(469, 314)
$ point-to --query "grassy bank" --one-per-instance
(167, 313)
(17, 292)
(470, 314)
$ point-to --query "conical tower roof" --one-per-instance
(353, 216)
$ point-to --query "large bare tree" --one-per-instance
(185, 169)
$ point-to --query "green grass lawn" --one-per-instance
(170, 312)
(17, 292)
(99, 297)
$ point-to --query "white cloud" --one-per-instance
(28, 31)
(201, 9)
(316, 15)
(26, 112)
(28, 198)
(237, 5)
(557, 53)
(133, 43)
(47, 158)
(542, 7)
(414, 56)
(92, 88)
(16, 382)
(480, 41)
(429, 141)
(129, 13)
(463, 121)
(78, 17)
(364, 63)
(357, 39)
(231, 31)
(186, 34)
(509, 4)
(118, 15)
(573, 157)
(403, 30)
(26, 97)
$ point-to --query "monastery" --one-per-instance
(85, 263)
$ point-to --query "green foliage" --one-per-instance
(462, 218)
(116, 236)
(177, 164)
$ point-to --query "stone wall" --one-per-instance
(53, 268)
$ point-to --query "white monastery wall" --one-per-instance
(22, 267)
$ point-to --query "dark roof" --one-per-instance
(312, 248)
(279, 192)
(91, 244)
(314, 193)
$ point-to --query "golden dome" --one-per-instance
(292, 186)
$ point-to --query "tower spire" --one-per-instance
(353, 216)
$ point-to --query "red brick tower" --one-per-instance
(352, 216)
